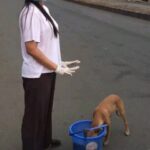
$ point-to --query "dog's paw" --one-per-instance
(127, 132)
(106, 143)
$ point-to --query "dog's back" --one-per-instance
(109, 105)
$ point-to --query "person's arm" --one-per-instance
(38, 55)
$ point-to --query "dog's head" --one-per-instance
(91, 133)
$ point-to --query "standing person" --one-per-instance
(41, 62)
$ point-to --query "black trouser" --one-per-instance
(37, 121)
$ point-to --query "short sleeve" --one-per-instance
(31, 27)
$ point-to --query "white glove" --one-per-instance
(66, 63)
(66, 70)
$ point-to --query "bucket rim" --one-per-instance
(86, 138)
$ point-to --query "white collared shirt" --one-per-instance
(35, 27)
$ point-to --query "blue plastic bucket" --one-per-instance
(80, 142)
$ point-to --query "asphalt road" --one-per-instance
(114, 51)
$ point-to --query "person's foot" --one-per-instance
(55, 143)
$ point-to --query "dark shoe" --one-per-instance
(55, 143)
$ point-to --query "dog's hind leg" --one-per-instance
(122, 114)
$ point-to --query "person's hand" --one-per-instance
(66, 70)
(66, 63)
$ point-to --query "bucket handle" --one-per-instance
(88, 129)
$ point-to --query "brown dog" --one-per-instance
(103, 112)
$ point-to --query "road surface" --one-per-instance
(114, 51)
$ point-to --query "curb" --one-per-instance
(115, 10)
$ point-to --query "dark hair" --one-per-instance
(47, 16)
